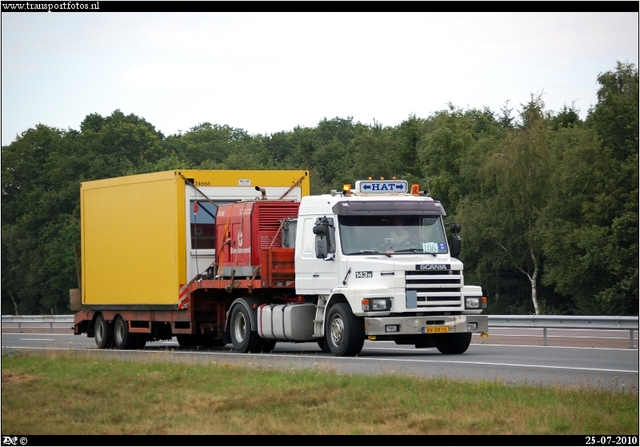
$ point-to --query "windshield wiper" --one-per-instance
(369, 252)
(415, 250)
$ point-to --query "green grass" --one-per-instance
(65, 393)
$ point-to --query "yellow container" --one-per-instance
(135, 246)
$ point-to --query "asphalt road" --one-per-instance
(501, 358)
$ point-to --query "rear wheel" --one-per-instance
(121, 334)
(453, 343)
(344, 332)
(103, 333)
(242, 337)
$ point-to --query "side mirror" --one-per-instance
(455, 244)
(321, 247)
(323, 229)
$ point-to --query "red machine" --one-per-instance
(247, 231)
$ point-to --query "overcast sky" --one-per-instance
(271, 72)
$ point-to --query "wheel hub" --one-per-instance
(337, 331)
(240, 327)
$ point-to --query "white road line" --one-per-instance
(277, 356)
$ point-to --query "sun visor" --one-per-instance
(388, 207)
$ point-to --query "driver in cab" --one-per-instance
(401, 237)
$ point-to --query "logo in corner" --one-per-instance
(14, 440)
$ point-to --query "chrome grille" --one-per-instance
(440, 288)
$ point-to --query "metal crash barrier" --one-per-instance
(543, 322)
(566, 322)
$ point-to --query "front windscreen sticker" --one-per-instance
(429, 247)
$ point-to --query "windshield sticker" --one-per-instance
(429, 247)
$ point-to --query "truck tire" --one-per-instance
(243, 338)
(121, 336)
(103, 333)
(344, 332)
(453, 343)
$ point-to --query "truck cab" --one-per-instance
(378, 257)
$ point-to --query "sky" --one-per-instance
(271, 72)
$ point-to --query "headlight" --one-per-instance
(376, 304)
(472, 303)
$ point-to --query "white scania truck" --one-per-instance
(379, 266)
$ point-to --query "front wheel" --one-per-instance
(243, 338)
(453, 343)
(344, 332)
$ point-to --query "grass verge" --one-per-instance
(64, 394)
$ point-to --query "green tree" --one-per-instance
(591, 235)
(324, 150)
(375, 153)
(506, 214)
(31, 194)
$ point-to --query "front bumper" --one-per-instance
(425, 324)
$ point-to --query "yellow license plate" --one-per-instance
(435, 330)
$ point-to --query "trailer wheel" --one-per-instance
(453, 343)
(103, 333)
(121, 335)
(243, 339)
(345, 332)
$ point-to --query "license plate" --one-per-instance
(435, 329)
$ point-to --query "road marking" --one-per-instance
(37, 339)
(276, 356)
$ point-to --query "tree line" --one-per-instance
(548, 202)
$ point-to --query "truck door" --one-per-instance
(313, 275)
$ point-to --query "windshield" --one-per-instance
(391, 234)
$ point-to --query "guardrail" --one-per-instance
(39, 321)
(543, 322)
(566, 322)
